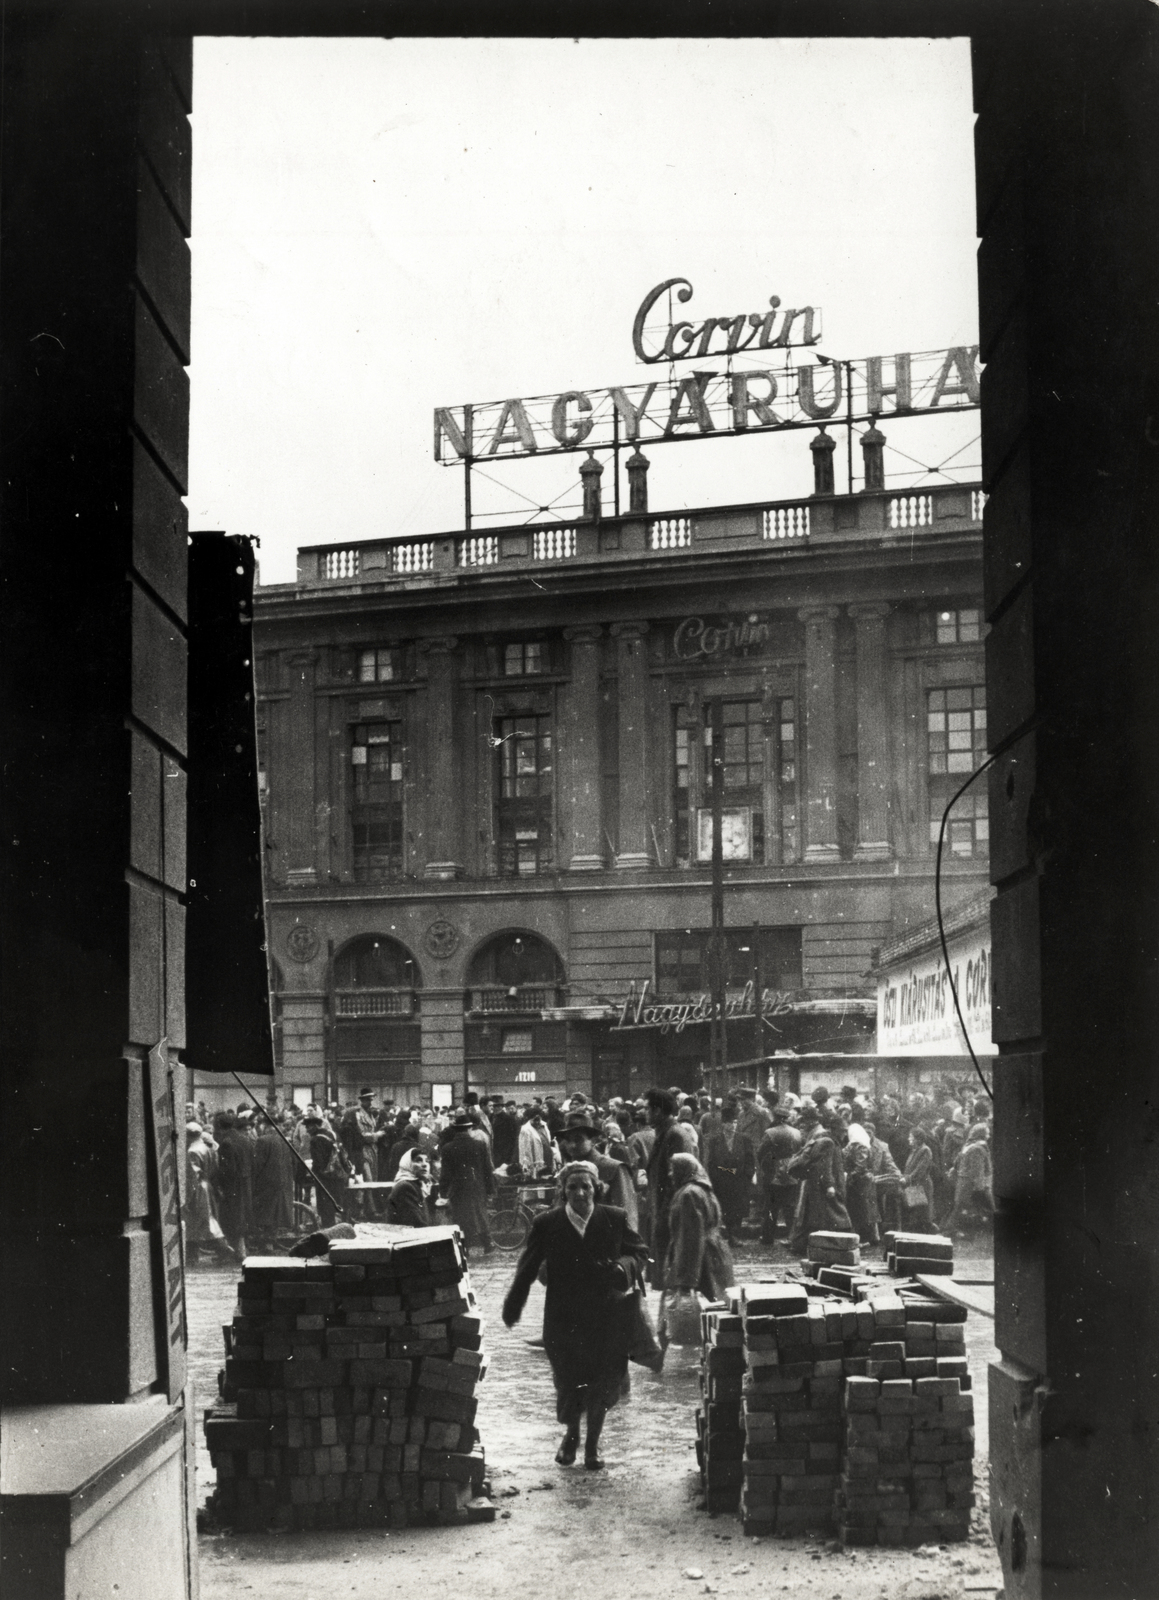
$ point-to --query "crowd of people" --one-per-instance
(654, 1192)
(782, 1165)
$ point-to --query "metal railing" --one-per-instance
(375, 1003)
(523, 999)
(786, 522)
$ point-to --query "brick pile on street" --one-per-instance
(844, 1415)
(348, 1396)
(907, 1254)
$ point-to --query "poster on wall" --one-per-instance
(736, 833)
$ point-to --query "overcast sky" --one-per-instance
(382, 227)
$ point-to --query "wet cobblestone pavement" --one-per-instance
(632, 1532)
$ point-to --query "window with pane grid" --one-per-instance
(379, 666)
(743, 754)
(524, 795)
(681, 780)
(956, 732)
(787, 779)
(523, 660)
(376, 800)
(684, 965)
(959, 627)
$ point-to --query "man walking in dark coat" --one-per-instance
(672, 1138)
(505, 1136)
(577, 1143)
(729, 1157)
(273, 1185)
(233, 1181)
(467, 1182)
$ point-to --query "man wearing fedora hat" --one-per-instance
(467, 1181)
(577, 1142)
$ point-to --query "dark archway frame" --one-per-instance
(93, 342)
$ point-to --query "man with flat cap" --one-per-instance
(577, 1142)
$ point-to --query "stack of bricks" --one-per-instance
(908, 1446)
(719, 1435)
(907, 1254)
(353, 1382)
(853, 1414)
(834, 1260)
(797, 1349)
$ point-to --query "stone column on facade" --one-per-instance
(442, 800)
(587, 841)
(300, 854)
(443, 1046)
(873, 775)
(820, 732)
(632, 687)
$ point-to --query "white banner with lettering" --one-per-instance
(915, 1008)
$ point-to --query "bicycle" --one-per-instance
(512, 1220)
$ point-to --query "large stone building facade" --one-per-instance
(487, 763)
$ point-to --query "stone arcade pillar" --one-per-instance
(587, 839)
(873, 843)
(443, 801)
(632, 687)
(820, 732)
(1068, 213)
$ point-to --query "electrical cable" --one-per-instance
(297, 1155)
(989, 762)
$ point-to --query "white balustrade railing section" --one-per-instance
(911, 510)
(670, 533)
(417, 555)
(553, 544)
(341, 563)
(480, 550)
(977, 504)
(786, 522)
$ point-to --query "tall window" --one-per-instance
(379, 666)
(956, 723)
(744, 764)
(524, 789)
(681, 781)
(787, 779)
(376, 812)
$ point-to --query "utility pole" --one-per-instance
(718, 1041)
(758, 998)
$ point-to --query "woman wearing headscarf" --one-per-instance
(821, 1172)
(917, 1195)
(594, 1260)
(973, 1178)
(698, 1257)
